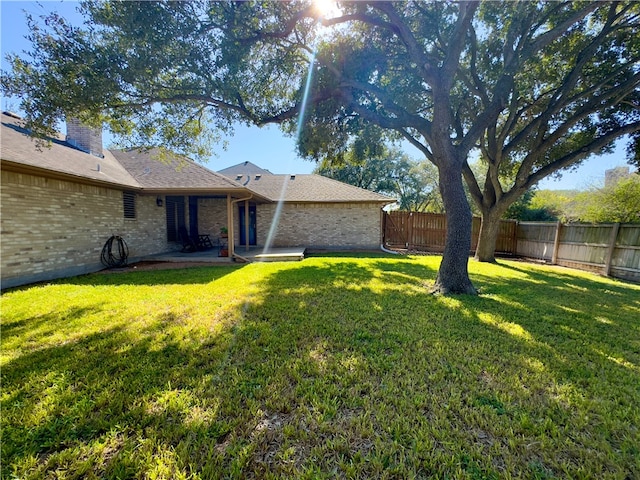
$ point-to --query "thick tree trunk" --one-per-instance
(453, 275)
(486, 250)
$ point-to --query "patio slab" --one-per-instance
(254, 254)
(281, 255)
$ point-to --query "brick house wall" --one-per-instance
(212, 216)
(322, 225)
(53, 228)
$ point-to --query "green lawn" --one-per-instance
(336, 367)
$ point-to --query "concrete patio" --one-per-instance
(252, 254)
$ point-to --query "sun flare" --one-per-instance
(326, 8)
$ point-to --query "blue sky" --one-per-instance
(266, 146)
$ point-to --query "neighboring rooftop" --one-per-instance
(244, 168)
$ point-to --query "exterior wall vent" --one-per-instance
(129, 204)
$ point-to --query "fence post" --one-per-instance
(612, 246)
(556, 244)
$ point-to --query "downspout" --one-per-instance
(382, 233)
(232, 252)
(388, 251)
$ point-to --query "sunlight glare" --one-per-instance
(326, 8)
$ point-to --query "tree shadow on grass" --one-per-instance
(336, 368)
(506, 388)
(106, 403)
(11, 327)
(566, 308)
(178, 276)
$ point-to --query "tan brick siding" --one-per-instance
(212, 216)
(53, 228)
(325, 225)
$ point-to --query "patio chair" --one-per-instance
(204, 242)
(188, 244)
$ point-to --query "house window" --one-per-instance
(129, 204)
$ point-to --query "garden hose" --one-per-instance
(114, 253)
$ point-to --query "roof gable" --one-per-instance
(242, 169)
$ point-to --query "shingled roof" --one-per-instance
(18, 149)
(302, 188)
(148, 170)
(155, 169)
(159, 171)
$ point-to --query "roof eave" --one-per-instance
(379, 202)
(19, 167)
(233, 191)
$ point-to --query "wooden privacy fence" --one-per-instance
(427, 231)
(607, 249)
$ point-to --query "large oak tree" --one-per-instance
(574, 91)
(535, 86)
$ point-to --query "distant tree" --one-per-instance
(619, 202)
(522, 210)
(414, 184)
(560, 204)
(375, 174)
(419, 188)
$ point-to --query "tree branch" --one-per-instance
(577, 155)
(416, 52)
(405, 119)
(457, 41)
(556, 32)
(419, 145)
(472, 183)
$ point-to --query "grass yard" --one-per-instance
(334, 367)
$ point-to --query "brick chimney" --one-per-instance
(85, 138)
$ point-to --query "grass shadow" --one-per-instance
(334, 367)
(180, 276)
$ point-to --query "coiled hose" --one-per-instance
(115, 252)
